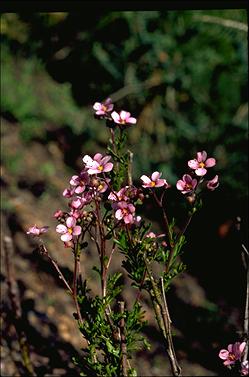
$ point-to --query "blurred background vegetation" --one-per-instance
(184, 75)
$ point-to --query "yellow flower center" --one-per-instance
(201, 164)
(153, 184)
(100, 187)
(100, 168)
(70, 230)
(231, 357)
(104, 108)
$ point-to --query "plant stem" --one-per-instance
(123, 340)
(164, 321)
(75, 279)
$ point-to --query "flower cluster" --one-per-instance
(233, 354)
(104, 110)
(123, 203)
(84, 189)
(190, 182)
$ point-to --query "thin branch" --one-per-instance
(43, 251)
(123, 340)
(129, 171)
(221, 21)
(75, 279)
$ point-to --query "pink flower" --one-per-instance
(102, 187)
(69, 230)
(98, 164)
(125, 212)
(79, 182)
(76, 203)
(153, 235)
(186, 184)
(103, 108)
(244, 368)
(120, 195)
(233, 353)
(154, 181)
(68, 193)
(36, 231)
(59, 213)
(200, 163)
(213, 184)
(124, 117)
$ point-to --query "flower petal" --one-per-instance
(61, 228)
(131, 120)
(193, 164)
(115, 116)
(156, 175)
(119, 214)
(145, 179)
(77, 230)
(200, 172)
(180, 185)
(71, 222)
(210, 162)
(223, 354)
(66, 237)
(108, 167)
(97, 106)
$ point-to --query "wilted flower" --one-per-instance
(69, 230)
(200, 163)
(213, 183)
(37, 231)
(98, 164)
(103, 108)
(186, 184)
(154, 181)
(124, 117)
(233, 353)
